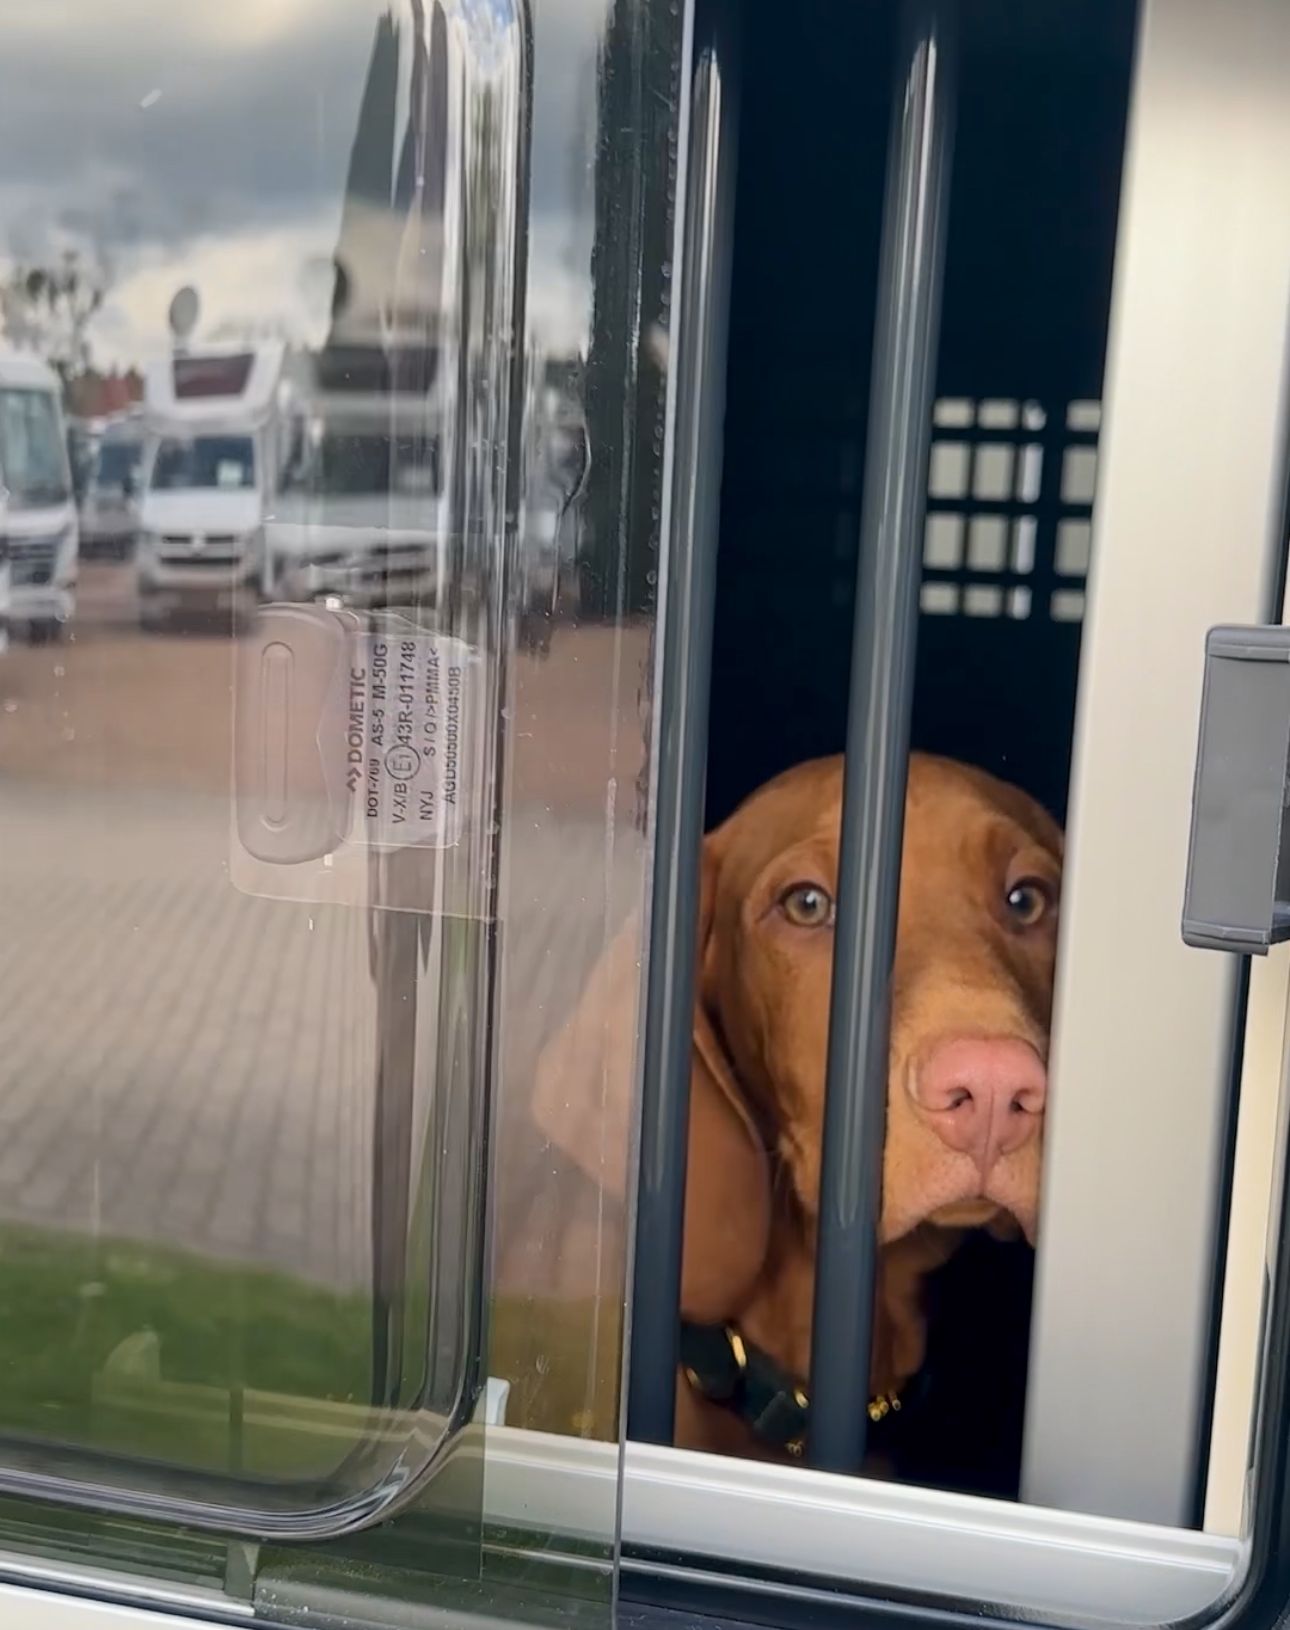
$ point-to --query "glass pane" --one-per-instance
(319, 692)
(245, 1111)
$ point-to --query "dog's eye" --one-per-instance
(1028, 901)
(807, 905)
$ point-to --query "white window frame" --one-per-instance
(50, 1607)
(1187, 533)
(706, 1508)
(1256, 1182)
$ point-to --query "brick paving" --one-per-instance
(185, 1063)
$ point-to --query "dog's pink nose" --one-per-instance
(983, 1096)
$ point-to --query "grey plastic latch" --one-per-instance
(1238, 863)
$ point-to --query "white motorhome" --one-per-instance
(359, 512)
(40, 509)
(210, 467)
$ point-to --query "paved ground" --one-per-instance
(181, 1061)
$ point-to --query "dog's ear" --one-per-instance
(584, 1099)
(584, 1093)
(727, 1182)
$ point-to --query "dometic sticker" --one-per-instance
(402, 768)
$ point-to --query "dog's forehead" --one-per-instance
(802, 804)
(806, 801)
(947, 795)
(947, 803)
(943, 790)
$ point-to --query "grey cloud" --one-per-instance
(235, 139)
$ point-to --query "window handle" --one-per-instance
(1238, 862)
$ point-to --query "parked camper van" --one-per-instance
(110, 502)
(359, 513)
(210, 466)
(41, 511)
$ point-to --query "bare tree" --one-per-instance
(49, 308)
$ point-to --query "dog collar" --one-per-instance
(725, 1368)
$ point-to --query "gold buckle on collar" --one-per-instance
(738, 1352)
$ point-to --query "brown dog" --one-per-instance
(972, 993)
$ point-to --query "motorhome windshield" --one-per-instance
(186, 464)
(33, 455)
(339, 462)
(342, 461)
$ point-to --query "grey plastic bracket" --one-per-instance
(1238, 863)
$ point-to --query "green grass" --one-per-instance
(162, 1353)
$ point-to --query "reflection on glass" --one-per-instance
(243, 1129)
(117, 465)
(309, 293)
(203, 463)
(32, 456)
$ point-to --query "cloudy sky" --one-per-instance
(208, 144)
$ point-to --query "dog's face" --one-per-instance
(971, 996)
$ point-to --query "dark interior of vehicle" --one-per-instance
(1043, 93)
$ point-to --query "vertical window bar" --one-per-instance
(700, 352)
(882, 680)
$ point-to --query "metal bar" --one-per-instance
(882, 682)
(683, 722)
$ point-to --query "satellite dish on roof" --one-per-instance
(184, 309)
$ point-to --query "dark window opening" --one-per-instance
(1043, 96)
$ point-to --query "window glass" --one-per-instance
(117, 463)
(32, 455)
(278, 765)
(205, 461)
